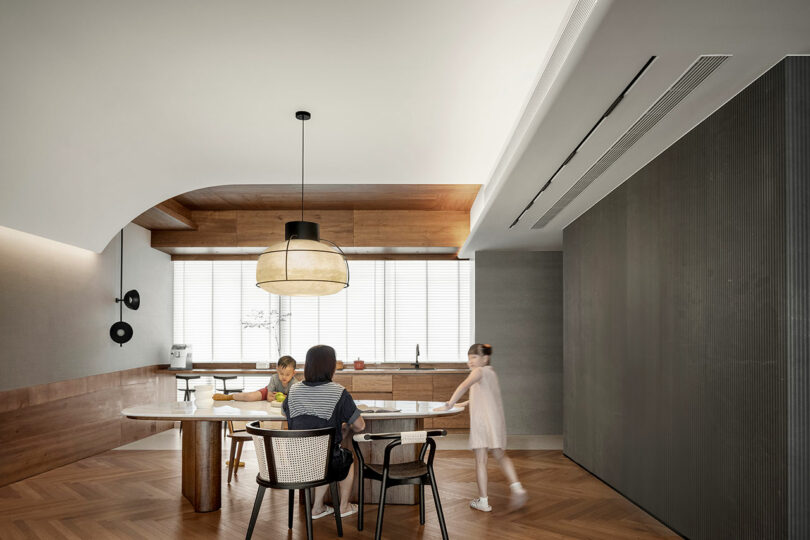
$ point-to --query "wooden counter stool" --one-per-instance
(238, 436)
(187, 391)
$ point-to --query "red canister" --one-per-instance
(359, 364)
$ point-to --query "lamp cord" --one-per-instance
(121, 282)
(302, 169)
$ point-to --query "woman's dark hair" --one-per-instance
(285, 361)
(481, 349)
(320, 364)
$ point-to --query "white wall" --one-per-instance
(57, 303)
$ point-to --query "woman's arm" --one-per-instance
(472, 378)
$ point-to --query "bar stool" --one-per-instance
(225, 389)
(187, 391)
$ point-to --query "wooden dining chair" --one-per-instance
(238, 435)
(293, 459)
(419, 472)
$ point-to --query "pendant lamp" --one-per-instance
(303, 264)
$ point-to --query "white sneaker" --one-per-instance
(478, 505)
(518, 499)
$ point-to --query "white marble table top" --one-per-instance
(263, 410)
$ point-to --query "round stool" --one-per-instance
(187, 391)
(225, 389)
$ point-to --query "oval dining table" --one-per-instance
(202, 440)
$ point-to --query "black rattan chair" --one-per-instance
(293, 459)
(419, 472)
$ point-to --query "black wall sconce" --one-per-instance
(121, 332)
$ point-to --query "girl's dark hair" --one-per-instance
(285, 361)
(481, 349)
(320, 364)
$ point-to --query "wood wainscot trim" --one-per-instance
(82, 417)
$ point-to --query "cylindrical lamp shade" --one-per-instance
(302, 268)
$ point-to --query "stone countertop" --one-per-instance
(263, 410)
(271, 371)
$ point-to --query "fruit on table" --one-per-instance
(280, 396)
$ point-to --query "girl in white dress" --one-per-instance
(487, 424)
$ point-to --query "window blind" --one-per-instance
(389, 308)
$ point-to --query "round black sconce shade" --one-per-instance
(132, 299)
(121, 332)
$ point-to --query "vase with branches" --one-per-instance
(268, 319)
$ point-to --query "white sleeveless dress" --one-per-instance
(487, 421)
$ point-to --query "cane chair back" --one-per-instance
(292, 457)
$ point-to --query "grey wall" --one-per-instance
(797, 150)
(57, 303)
(518, 310)
(682, 333)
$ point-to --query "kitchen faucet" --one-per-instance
(416, 365)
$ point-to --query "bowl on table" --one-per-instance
(204, 396)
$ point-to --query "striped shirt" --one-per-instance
(320, 404)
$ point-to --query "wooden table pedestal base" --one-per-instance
(202, 464)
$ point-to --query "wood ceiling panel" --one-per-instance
(333, 197)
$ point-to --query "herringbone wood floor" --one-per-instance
(136, 494)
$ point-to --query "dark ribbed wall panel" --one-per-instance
(682, 308)
(797, 113)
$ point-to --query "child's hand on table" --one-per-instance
(441, 408)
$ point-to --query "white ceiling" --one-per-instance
(111, 107)
(615, 42)
(108, 108)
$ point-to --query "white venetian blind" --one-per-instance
(406, 309)
(389, 307)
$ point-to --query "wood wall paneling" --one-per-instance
(264, 228)
(410, 228)
(358, 228)
(49, 425)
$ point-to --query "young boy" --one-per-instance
(283, 379)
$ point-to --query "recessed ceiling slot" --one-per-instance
(609, 110)
(685, 85)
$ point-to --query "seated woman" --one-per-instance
(317, 402)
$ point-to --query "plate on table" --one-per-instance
(276, 404)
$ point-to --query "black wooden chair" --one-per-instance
(293, 459)
(419, 472)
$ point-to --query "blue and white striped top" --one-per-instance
(312, 405)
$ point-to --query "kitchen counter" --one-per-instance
(378, 383)
(367, 371)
